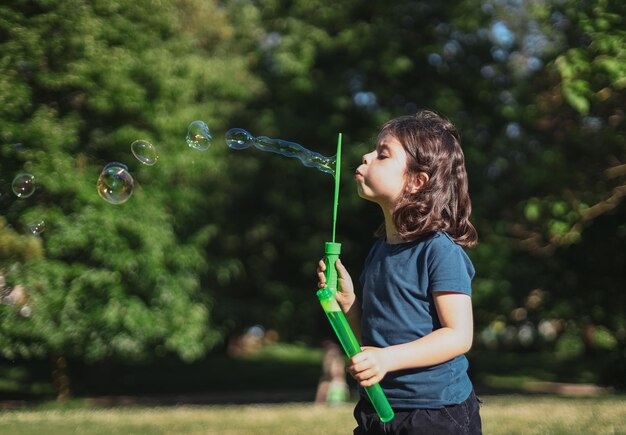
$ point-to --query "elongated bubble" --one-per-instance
(199, 136)
(145, 152)
(115, 184)
(308, 158)
(23, 185)
(239, 139)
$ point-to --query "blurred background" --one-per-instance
(204, 280)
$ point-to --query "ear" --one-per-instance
(418, 181)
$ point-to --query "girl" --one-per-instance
(415, 319)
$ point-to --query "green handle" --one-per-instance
(351, 347)
(333, 312)
(331, 251)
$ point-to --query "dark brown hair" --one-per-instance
(433, 146)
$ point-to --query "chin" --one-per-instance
(367, 198)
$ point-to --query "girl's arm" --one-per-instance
(454, 338)
(345, 296)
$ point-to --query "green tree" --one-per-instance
(537, 91)
(80, 81)
(572, 219)
(327, 68)
(549, 139)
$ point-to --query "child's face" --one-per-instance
(381, 177)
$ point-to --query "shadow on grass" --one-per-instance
(280, 373)
(277, 374)
(498, 372)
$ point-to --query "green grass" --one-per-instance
(502, 378)
(278, 368)
(501, 415)
(232, 419)
(554, 415)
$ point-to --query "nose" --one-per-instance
(366, 158)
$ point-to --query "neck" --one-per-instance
(390, 229)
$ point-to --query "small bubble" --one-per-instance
(435, 59)
(26, 311)
(239, 139)
(199, 136)
(37, 228)
(23, 185)
(513, 130)
(115, 184)
(145, 152)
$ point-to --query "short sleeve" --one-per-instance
(449, 267)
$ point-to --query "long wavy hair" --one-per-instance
(433, 146)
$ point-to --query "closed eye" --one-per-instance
(382, 152)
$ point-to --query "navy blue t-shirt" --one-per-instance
(398, 307)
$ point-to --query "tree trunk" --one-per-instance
(60, 377)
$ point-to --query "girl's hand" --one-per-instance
(370, 366)
(345, 293)
(321, 276)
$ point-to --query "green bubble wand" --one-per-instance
(336, 317)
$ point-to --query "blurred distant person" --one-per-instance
(333, 388)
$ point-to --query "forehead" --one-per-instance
(389, 140)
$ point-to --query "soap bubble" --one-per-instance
(286, 148)
(145, 152)
(23, 185)
(239, 139)
(199, 136)
(37, 228)
(115, 184)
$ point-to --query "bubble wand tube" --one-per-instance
(336, 317)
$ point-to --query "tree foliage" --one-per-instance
(81, 81)
(210, 243)
(537, 90)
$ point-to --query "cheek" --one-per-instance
(398, 182)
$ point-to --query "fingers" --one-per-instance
(371, 381)
(341, 269)
(321, 266)
(321, 276)
(365, 367)
(345, 280)
(360, 363)
(365, 376)
(342, 273)
(367, 379)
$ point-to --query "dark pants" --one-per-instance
(463, 418)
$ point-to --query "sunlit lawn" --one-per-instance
(501, 415)
(268, 372)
